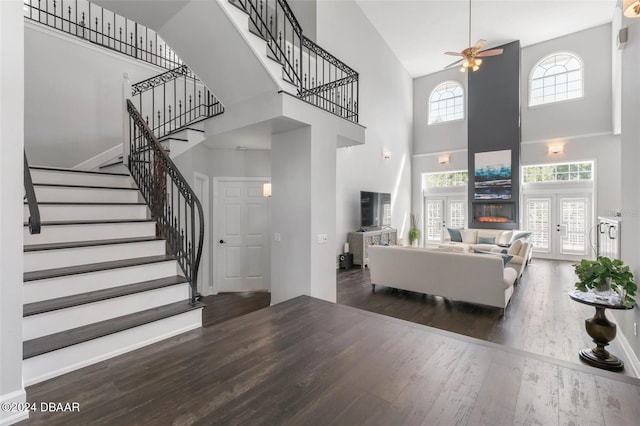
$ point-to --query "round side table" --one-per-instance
(601, 330)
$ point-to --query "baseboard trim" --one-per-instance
(96, 161)
(631, 356)
(11, 417)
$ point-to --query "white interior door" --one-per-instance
(560, 225)
(242, 236)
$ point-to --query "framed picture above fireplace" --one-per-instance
(492, 172)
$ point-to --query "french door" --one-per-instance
(440, 213)
(560, 224)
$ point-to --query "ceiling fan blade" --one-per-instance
(479, 45)
(454, 63)
(453, 53)
(491, 52)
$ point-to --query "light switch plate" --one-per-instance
(322, 238)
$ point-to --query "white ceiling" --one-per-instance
(420, 31)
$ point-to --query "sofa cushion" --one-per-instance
(504, 238)
(454, 233)
(515, 247)
(469, 236)
(486, 240)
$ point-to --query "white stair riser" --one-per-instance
(89, 212)
(87, 195)
(52, 364)
(90, 232)
(51, 288)
(75, 178)
(35, 326)
(50, 259)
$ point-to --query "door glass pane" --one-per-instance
(538, 223)
(457, 214)
(574, 220)
(434, 220)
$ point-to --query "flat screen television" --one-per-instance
(375, 209)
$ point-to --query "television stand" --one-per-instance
(361, 239)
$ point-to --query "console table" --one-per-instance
(359, 241)
(601, 330)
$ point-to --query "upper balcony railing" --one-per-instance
(100, 26)
(320, 78)
(173, 100)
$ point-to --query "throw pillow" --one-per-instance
(486, 240)
(454, 233)
(506, 258)
(514, 250)
(468, 236)
(504, 238)
(521, 235)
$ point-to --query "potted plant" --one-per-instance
(605, 274)
(414, 232)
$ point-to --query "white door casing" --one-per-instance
(201, 188)
(241, 235)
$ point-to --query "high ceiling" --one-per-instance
(420, 31)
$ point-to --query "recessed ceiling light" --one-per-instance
(241, 148)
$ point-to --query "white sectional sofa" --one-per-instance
(496, 241)
(475, 278)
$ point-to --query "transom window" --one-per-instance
(558, 172)
(556, 78)
(445, 180)
(446, 103)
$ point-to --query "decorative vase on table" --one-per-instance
(603, 291)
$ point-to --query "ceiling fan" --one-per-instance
(471, 56)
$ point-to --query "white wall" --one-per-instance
(11, 191)
(584, 125)
(441, 136)
(221, 163)
(585, 116)
(385, 109)
(631, 172)
(73, 96)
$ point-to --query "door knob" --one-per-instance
(222, 241)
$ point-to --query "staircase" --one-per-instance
(97, 280)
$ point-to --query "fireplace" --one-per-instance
(490, 213)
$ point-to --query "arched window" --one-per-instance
(555, 78)
(446, 102)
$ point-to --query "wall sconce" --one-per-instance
(266, 189)
(443, 159)
(631, 8)
(386, 155)
(556, 148)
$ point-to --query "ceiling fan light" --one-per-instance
(475, 68)
(465, 64)
(462, 69)
(478, 61)
(631, 8)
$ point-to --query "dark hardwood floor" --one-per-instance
(225, 306)
(540, 317)
(306, 361)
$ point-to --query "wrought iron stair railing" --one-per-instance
(320, 77)
(173, 100)
(173, 204)
(32, 202)
(100, 26)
